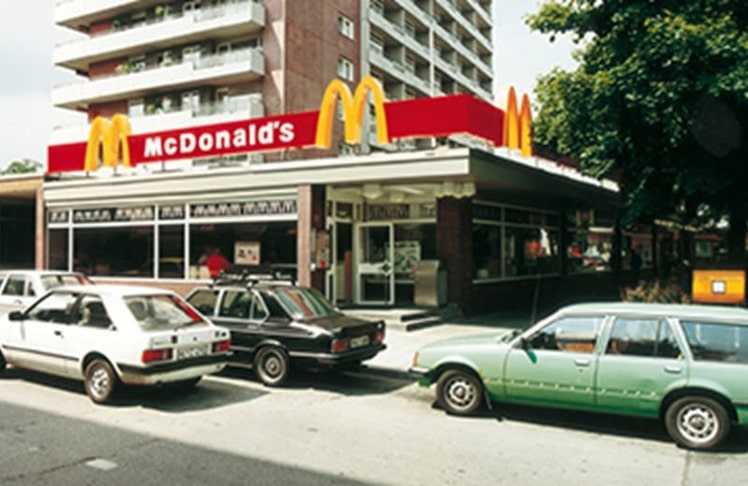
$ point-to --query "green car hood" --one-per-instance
(474, 340)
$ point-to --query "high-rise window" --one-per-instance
(345, 69)
(345, 27)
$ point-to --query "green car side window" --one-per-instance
(642, 337)
(711, 341)
(569, 334)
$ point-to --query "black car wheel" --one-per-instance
(697, 422)
(3, 363)
(100, 381)
(459, 392)
(271, 365)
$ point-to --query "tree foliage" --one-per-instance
(659, 99)
(23, 166)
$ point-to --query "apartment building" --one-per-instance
(169, 64)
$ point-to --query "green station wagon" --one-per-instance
(684, 364)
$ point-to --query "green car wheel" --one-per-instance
(697, 422)
(459, 392)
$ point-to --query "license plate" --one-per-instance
(359, 341)
(192, 351)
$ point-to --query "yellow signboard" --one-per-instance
(718, 286)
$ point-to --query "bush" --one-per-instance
(656, 292)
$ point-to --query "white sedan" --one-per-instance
(109, 335)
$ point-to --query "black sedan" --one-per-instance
(275, 325)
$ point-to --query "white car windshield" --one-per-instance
(160, 312)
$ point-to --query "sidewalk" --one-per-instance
(402, 345)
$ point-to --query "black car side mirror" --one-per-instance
(15, 316)
(524, 343)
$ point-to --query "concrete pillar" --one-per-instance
(311, 218)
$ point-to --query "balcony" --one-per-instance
(232, 109)
(399, 34)
(240, 66)
(72, 13)
(400, 72)
(232, 20)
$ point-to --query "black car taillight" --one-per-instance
(340, 345)
(379, 336)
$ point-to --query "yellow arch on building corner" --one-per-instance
(518, 124)
(111, 136)
(353, 111)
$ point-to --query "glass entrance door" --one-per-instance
(375, 282)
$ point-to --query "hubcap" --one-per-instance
(99, 381)
(272, 366)
(460, 392)
(698, 423)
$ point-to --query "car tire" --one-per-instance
(697, 422)
(3, 363)
(100, 381)
(271, 365)
(459, 392)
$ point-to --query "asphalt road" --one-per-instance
(370, 426)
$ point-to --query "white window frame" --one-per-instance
(345, 68)
(346, 27)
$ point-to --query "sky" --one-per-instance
(28, 35)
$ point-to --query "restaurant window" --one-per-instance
(57, 258)
(530, 251)
(276, 242)
(171, 251)
(114, 251)
(413, 243)
(514, 242)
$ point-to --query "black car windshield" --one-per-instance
(160, 312)
(305, 303)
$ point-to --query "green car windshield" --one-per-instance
(305, 303)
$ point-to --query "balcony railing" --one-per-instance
(118, 85)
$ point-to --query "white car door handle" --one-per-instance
(673, 369)
(582, 362)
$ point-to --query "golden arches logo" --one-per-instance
(110, 136)
(518, 124)
(353, 111)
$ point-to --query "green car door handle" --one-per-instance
(673, 369)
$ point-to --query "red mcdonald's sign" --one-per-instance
(417, 118)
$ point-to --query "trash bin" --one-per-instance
(430, 284)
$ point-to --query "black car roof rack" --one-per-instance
(250, 278)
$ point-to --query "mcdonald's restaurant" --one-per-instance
(479, 225)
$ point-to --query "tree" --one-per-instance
(659, 98)
(23, 166)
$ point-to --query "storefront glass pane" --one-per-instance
(58, 249)
(171, 251)
(413, 243)
(530, 251)
(486, 250)
(277, 243)
(589, 251)
(114, 251)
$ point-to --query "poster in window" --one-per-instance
(407, 256)
(247, 253)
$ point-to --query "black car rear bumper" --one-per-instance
(337, 359)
